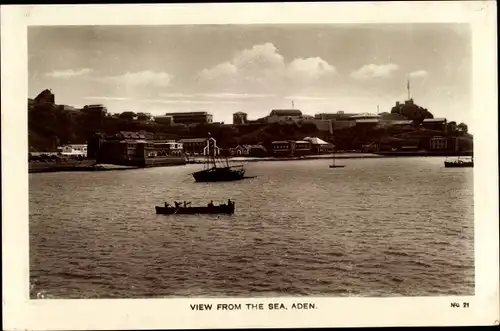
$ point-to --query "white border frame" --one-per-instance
(22, 313)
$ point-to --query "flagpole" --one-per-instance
(408, 88)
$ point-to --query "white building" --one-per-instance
(438, 143)
(73, 149)
(166, 148)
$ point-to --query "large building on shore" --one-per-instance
(135, 148)
(193, 146)
(187, 118)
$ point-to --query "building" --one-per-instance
(319, 146)
(123, 148)
(452, 126)
(250, 150)
(284, 115)
(363, 116)
(123, 151)
(134, 148)
(301, 147)
(193, 146)
(68, 108)
(241, 150)
(342, 124)
(141, 135)
(340, 115)
(240, 118)
(97, 109)
(73, 149)
(167, 148)
(438, 124)
(291, 148)
(367, 122)
(371, 148)
(187, 118)
(394, 123)
(438, 143)
(464, 143)
(282, 148)
(167, 120)
(339, 120)
(324, 126)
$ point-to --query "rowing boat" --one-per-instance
(220, 209)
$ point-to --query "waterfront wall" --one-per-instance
(165, 161)
(92, 165)
(35, 167)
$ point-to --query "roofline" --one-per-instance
(188, 113)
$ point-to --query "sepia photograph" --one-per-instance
(266, 160)
(237, 160)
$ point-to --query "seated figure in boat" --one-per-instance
(211, 204)
(187, 204)
(167, 205)
(177, 204)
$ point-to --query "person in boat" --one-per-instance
(177, 204)
(187, 204)
(229, 202)
(211, 204)
(167, 205)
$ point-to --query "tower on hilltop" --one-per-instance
(408, 88)
(240, 118)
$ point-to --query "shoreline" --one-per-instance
(42, 168)
(342, 156)
(90, 165)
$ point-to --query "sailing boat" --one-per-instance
(215, 169)
(333, 165)
(459, 163)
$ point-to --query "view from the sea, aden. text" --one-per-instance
(250, 161)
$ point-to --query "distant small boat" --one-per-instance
(459, 163)
(210, 209)
(333, 165)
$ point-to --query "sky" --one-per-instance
(223, 69)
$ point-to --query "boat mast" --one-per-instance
(212, 151)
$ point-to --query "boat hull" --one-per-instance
(222, 209)
(459, 164)
(337, 166)
(219, 175)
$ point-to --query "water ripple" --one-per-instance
(381, 227)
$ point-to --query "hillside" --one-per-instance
(50, 126)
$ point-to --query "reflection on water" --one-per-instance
(378, 227)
